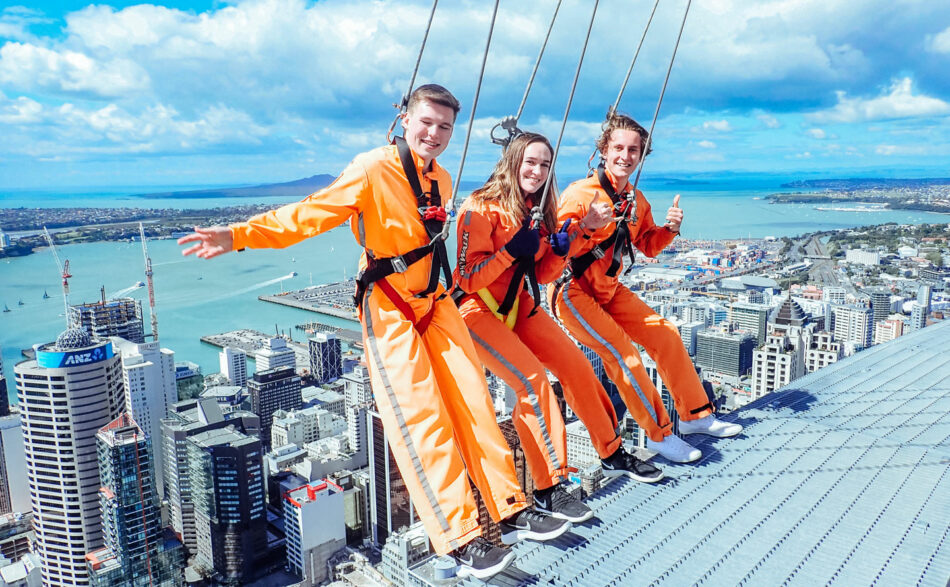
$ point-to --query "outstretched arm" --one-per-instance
(209, 242)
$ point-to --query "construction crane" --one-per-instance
(148, 281)
(64, 271)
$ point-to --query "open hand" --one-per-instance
(599, 213)
(209, 242)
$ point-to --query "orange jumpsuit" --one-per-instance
(607, 317)
(519, 354)
(430, 388)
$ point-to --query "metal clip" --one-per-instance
(598, 252)
(399, 264)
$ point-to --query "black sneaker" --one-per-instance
(481, 559)
(532, 525)
(624, 463)
(561, 504)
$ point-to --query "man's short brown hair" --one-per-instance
(437, 95)
(623, 122)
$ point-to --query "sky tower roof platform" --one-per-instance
(839, 478)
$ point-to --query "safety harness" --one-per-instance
(628, 215)
(433, 216)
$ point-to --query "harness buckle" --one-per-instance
(399, 264)
(597, 252)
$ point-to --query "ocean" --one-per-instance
(197, 297)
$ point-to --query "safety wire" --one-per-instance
(450, 208)
(623, 86)
(659, 102)
(510, 123)
(536, 213)
(412, 80)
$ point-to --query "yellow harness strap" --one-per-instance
(492, 304)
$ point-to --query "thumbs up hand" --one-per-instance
(598, 214)
(674, 216)
(561, 240)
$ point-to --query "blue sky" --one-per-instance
(226, 93)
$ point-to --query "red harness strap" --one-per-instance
(420, 325)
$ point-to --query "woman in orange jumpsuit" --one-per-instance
(606, 316)
(427, 381)
(515, 339)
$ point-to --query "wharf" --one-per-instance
(350, 337)
(252, 341)
(332, 299)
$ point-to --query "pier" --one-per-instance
(332, 299)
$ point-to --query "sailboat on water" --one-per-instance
(5, 308)
(45, 295)
(19, 302)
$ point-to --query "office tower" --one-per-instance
(189, 380)
(14, 486)
(923, 298)
(105, 318)
(148, 372)
(821, 351)
(276, 389)
(327, 399)
(326, 357)
(775, 364)
(390, 507)
(315, 529)
(305, 425)
(275, 354)
(71, 390)
(729, 353)
(134, 553)
(4, 399)
(888, 330)
(185, 420)
(834, 295)
(234, 365)
(750, 317)
(227, 488)
(880, 303)
(580, 449)
(918, 316)
(402, 551)
(16, 535)
(854, 326)
(688, 332)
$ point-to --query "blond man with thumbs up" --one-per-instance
(609, 318)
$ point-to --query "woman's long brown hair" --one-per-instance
(504, 188)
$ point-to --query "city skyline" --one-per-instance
(200, 92)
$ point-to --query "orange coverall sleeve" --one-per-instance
(479, 262)
(548, 266)
(650, 238)
(317, 213)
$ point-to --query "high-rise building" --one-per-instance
(4, 399)
(272, 390)
(105, 318)
(148, 372)
(821, 351)
(189, 380)
(71, 390)
(390, 506)
(16, 537)
(853, 326)
(775, 364)
(834, 295)
(304, 425)
(326, 357)
(14, 487)
(275, 354)
(356, 386)
(234, 365)
(135, 553)
(315, 529)
(185, 420)
(923, 296)
(403, 550)
(880, 303)
(580, 449)
(918, 316)
(227, 487)
(888, 330)
(750, 317)
(688, 332)
(729, 353)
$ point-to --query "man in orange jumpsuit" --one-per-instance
(429, 386)
(606, 316)
(515, 339)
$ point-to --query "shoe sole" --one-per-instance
(561, 516)
(707, 433)
(519, 535)
(634, 476)
(488, 572)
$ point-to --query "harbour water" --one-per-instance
(197, 297)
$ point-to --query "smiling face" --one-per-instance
(535, 167)
(622, 155)
(428, 128)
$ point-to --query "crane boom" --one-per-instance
(148, 281)
(64, 272)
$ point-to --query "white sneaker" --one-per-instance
(710, 425)
(675, 449)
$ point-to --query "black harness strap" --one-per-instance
(524, 271)
(432, 215)
(582, 263)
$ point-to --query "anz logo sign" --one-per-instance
(56, 360)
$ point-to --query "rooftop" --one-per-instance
(841, 477)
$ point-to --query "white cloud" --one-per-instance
(940, 43)
(28, 67)
(898, 102)
(817, 133)
(22, 110)
(717, 125)
(769, 121)
(707, 144)
(889, 150)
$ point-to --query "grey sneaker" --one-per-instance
(481, 559)
(530, 524)
(561, 504)
(624, 463)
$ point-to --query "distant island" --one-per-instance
(296, 188)
(927, 195)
